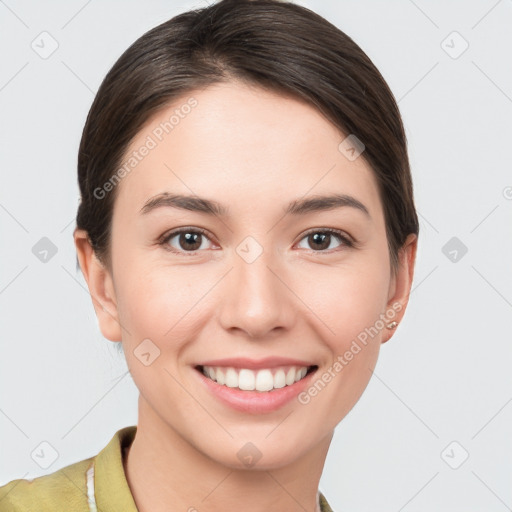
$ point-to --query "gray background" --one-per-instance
(442, 387)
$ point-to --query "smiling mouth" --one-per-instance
(265, 379)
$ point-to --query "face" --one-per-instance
(286, 268)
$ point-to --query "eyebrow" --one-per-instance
(211, 207)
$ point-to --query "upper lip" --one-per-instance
(256, 364)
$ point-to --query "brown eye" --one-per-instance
(185, 240)
(189, 241)
(321, 240)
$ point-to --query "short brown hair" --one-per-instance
(274, 44)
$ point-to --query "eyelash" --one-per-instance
(164, 240)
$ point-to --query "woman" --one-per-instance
(248, 234)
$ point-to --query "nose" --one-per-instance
(257, 299)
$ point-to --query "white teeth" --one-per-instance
(231, 378)
(221, 377)
(279, 379)
(246, 380)
(261, 380)
(264, 380)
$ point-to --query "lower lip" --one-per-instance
(255, 402)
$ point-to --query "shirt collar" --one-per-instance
(111, 488)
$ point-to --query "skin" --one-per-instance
(253, 151)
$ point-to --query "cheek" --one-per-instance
(345, 302)
(351, 306)
(154, 303)
(156, 309)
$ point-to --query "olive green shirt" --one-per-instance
(97, 484)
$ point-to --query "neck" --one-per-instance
(167, 473)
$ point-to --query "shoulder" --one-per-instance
(64, 489)
(96, 483)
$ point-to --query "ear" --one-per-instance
(101, 286)
(400, 285)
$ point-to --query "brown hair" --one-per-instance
(273, 44)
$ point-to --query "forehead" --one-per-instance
(241, 145)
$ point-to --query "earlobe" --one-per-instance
(101, 287)
(402, 282)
